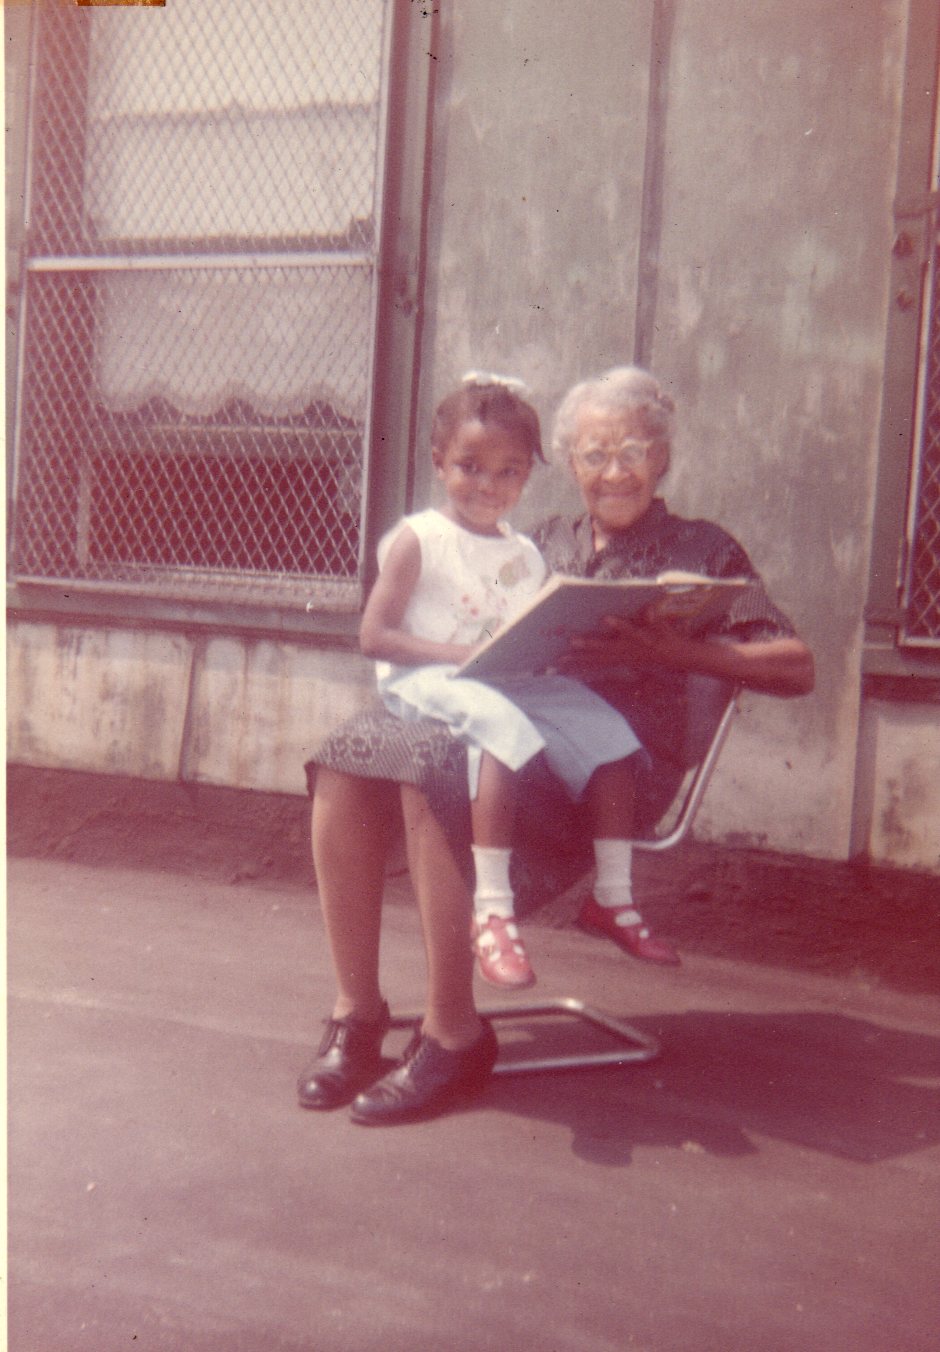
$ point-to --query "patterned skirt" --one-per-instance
(553, 836)
(376, 745)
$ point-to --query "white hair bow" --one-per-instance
(491, 378)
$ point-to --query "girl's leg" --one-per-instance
(612, 911)
(444, 903)
(611, 795)
(493, 811)
(350, 840)
(501, 953)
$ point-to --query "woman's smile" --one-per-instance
(617, 467)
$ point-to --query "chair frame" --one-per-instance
(698, 783)
(634, 1047)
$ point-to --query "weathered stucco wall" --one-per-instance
(537, 173)
(162, 706)
(771, 293)
(96, 699)
(781, 151)
(774, 193)
(898, 809)
(260, 708)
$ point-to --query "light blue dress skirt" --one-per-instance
(516, 719)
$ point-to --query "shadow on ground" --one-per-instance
(827, 1082)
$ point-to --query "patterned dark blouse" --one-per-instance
(672, 714)
(660, 541)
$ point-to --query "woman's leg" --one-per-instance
(349, 837)
(349, 831)
(455, 1052)
(444, 903)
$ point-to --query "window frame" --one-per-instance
(399, 281)
(887, 661)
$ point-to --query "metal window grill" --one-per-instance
(922, 590)
(199, 300)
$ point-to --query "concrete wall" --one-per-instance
(163, 706)
(781, 154)
(898, 807)
(534, 221)
(768, 325)
(771, 298)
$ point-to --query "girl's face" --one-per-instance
(484, 470)
(618, 467)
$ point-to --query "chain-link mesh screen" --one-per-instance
(199, 305)
(923, 594)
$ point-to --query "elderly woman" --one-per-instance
(614, 433)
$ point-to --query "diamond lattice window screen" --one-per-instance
(922, 591)
(199, 310)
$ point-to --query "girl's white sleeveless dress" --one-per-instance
(470, 585)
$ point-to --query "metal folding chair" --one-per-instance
(631, 1046)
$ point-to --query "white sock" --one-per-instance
(614, 887)
(493, 894)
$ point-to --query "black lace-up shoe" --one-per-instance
(349, 1059)
(427, 1080)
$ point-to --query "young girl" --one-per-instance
(448, 579)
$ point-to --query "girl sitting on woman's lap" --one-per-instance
(448, 579)
(614, 434)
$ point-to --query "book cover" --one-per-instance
(570, 606)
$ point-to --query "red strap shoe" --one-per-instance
(501, 955)
(634, 939)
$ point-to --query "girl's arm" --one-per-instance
(380, 633)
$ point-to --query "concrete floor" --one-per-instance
(769, 1183)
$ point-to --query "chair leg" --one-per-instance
(633, 1046)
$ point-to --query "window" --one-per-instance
(921, 589)
(903, 613)
(201, 299)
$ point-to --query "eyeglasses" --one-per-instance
(628, 455)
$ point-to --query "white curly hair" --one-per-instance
(623, 389)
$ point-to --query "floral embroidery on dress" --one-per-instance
(514, 571)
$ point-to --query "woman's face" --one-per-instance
(618, 468)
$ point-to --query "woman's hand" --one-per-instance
(778, 666)
(639, 643)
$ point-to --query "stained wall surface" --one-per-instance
(742, 209)
(766, 274)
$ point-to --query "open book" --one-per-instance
(569, 606)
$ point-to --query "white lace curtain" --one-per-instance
(214, 118)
